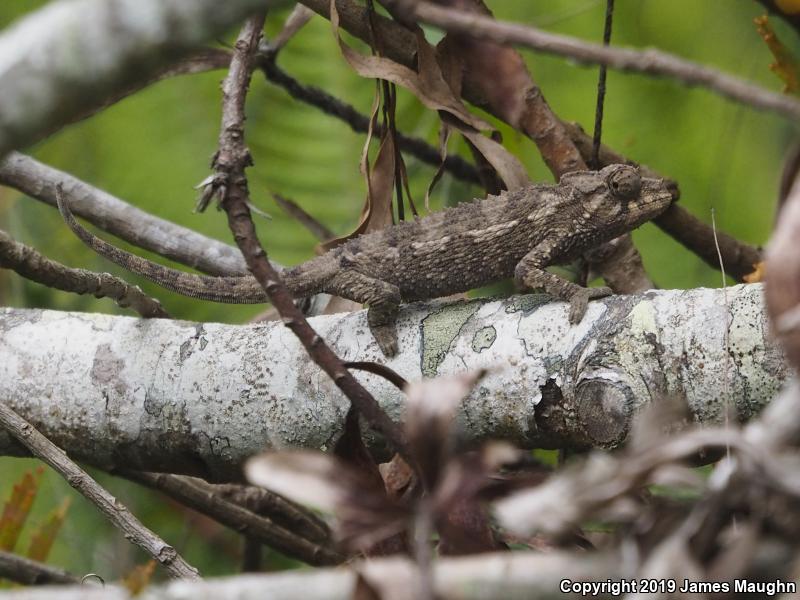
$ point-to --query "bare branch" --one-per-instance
(205, 500)
(32, 265)
(649, 62)
(30, 572)
(51, 72)
(358, 122)
(269, 504)
(79, 479)
(497, 576)
(121, 219)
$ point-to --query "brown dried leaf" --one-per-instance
(786, 66)
(466, 529)
(139, 577)
(398, 477)
(43, 537)
(377, 211)
(431, 87)
(757, 275)
(17, 508)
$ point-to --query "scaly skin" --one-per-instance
(454, 250)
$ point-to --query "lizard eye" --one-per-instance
(625, 183)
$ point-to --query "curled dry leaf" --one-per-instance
(431, 87)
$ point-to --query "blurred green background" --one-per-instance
(152, 148)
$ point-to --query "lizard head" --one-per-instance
(618, 198)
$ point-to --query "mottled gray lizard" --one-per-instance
(515, 234)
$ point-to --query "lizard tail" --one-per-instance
(230, 290)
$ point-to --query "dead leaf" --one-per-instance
(377, 212)
(44, 536)
(757, 275)
(139, 577)
(786, 66)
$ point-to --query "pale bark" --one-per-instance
(121, 219)
(200, 398)
(504, 576)
(71, 55)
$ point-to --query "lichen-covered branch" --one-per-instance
(200, 398)
(70, 56)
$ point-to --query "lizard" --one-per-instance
(517, 233)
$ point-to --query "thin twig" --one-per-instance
(601, 90)
(232, 159)
(112, 508)
(650, 61)
(32, 265)
(269, 504)
(204, 500)
(30, 572)
(294, 210)
(358, 122)
(252, 554)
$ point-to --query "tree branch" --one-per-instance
(121, 219)
(203, 499)
(30, 572)
(486, 577)
(112, 509)
(32, 265)
(51, 71)
(649, 61)
(114, 383)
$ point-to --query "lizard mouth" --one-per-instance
(662, 191)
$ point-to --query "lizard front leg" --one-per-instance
(530, 273)
(383, 300)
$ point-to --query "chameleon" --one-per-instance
(517, 233)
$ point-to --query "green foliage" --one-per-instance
(152, 148)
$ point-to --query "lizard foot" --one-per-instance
(580, 301)
(386, 336)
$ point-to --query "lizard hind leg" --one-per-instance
(383, 300)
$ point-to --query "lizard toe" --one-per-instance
(386, 336)
(580, 302)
